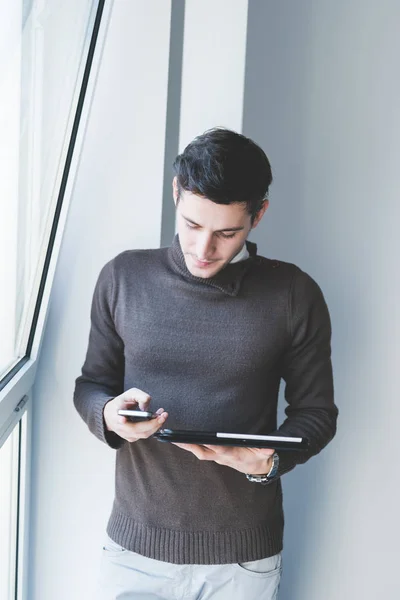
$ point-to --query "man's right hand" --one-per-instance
(134, 399)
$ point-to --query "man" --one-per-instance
(206, 329)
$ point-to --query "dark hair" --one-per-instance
(225, 167)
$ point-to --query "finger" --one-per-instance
(148, 427)
(134, 395)
(144, 404)
(135, 431)
(264, 451)
(227, 453)
(220, 449)
(201, 452)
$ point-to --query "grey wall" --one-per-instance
(173, 117)
(213, 68)
(322, 96)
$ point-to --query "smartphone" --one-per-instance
(135, 416)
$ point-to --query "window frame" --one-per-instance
(16, 384)
(19, 379)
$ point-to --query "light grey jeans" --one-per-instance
(126, 575)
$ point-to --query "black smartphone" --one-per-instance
(135, 416)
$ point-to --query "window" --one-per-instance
(9, 490)
(49, 56)
(42, 49)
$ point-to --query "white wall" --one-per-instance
(322, 96)
(213, 66)
(116, 205)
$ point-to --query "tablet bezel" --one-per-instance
(226, 439)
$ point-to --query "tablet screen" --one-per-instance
(266, 438)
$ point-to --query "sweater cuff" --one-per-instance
(287, 462)
(110, 438)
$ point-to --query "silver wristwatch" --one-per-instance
(264, 479)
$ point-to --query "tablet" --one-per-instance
(232, 439)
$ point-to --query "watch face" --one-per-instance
(275, 465)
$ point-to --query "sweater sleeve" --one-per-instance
(307, 372)
(102, 375)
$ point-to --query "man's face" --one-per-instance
(211, 234)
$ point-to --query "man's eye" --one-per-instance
(228, 235)
(221, 234)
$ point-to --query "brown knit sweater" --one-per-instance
(212, 352)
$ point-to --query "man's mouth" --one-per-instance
(202, 263)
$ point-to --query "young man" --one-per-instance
(206, 329)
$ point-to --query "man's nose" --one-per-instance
(205, 246)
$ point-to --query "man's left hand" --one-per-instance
(257, 461)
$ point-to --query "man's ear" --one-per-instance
(260, 214)
(175, 191)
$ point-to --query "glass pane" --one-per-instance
(43, 46)
(9, 467)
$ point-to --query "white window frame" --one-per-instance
(16, 385)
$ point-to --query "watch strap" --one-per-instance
(264, 479)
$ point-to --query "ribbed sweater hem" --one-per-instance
(197, 547)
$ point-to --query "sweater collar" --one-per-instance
(228, 280)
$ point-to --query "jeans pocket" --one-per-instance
(266, 567)
(112, 548)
